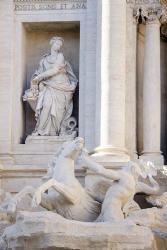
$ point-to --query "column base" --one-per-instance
(156, 158)
(134, 156)
(109, 154)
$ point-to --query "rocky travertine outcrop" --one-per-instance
(47, 230)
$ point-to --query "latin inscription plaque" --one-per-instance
(34, 5)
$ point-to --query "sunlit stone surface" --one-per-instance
(100, 74)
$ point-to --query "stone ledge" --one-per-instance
(48, 230)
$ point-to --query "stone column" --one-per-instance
(6, 80)
(152, 91)
(131, 134)
(111, 80)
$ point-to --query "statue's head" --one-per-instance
(72, 149)
(56, 43)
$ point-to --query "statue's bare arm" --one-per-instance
(59, 67)
(99, 169)
(51, 72)
(142, 187)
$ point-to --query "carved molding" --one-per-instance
(150, 11)
(144, 2)
(44, 1)
(164, 3)
(150, 14)
(154, 15)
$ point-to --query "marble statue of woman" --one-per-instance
(52, 85)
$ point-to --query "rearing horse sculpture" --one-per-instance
(65, 195)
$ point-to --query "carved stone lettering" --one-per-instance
(79, 6)
(35, 5)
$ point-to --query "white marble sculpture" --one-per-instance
(65, 194)
(5, 198)
(159, 201)
(61, 195)
(51, 92)
(121, 193)
(67, 197)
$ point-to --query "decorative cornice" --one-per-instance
(149, 11)
(139, 3)
(150, 14)
(164, 3)
(44, 1)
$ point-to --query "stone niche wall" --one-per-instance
(164, 98)
(37, 37)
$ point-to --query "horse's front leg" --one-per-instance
(70, 194)
(37, 198)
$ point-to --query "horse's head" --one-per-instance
(73, 149)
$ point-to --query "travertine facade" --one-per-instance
(117, 50)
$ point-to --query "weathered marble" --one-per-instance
(120, 108)
(52, 87)
(156, 220)
(111, 80)
(151, 90)
(67, 197)
(125, 185)
(49, 230)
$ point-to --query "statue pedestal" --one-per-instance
(29, 161)
(38, 139)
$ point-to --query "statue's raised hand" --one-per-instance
(84, 154)
(36, 80)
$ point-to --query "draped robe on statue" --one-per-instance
(54, 104)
